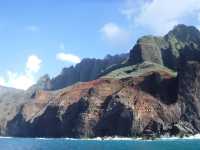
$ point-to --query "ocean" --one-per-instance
(97, 144)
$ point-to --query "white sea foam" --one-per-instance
(163, 138)
(197, 136)
(119, 138)
(42, 138)
(107, 139)
(169, 138)
(4, 137)
(191, 137)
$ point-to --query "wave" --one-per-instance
(6, 137)
(107, 139)
(44, 138)
(197, 136)
(191, 137)
(162, 138)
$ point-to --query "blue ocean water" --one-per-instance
(66, 144)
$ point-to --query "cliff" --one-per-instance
(103, 107)
(154, 93)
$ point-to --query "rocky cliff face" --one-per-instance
(141, 97)
(189, 87)
(11, 101)
(104, 107)
(165, 50)
(148, 48)
(189, 79)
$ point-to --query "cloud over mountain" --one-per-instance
(24, 79)
(159, 16)
(68, 57)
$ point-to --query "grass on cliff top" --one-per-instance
(137, 70)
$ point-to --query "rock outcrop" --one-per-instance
(165, 50)
(148, 48)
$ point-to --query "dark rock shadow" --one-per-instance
(50, 124)
(116, 120)
(164, 89)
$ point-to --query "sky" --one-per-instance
(43, 36)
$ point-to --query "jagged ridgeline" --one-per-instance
(161, 50)
(152, 91)
(87, 70)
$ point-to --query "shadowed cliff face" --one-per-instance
(50, 123)
(117, 118)
(162, 88)
(189, 93)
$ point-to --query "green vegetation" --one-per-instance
(137, 70)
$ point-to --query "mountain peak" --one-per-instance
(184, 34)
(165, 50)
(184, 28)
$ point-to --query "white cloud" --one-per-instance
(33, 63)
(111, 30)
(68, 57)
(19, 81)
(22, 80)
(161, 15)
(114, 34)
(32, 28)
(2, 81)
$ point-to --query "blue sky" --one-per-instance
(43, 36)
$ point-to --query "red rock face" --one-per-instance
(103, 107)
